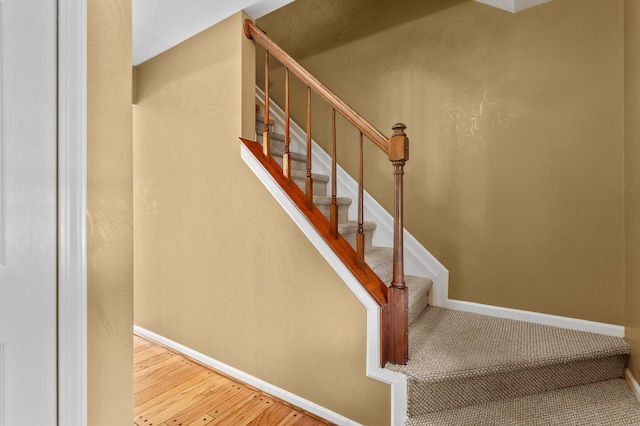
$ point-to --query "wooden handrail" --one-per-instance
(394, 307)
(255, 33)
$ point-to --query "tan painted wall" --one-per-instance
(213, 249)
(109, 213)
(515, 180)
(632, 177)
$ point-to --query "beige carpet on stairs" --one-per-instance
(608, 403)
(472, 369)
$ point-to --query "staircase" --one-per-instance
(463, 368)
(379, 259)
(471, 369)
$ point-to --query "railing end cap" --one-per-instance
(246, 26)
(398, 129)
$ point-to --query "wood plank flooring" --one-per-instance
(173, 390)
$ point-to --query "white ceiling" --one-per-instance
(158, 25)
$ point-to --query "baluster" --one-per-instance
(309, 185)
(334, 185)
(397, 294)
(286, 160)
(398, 155)
(266, 132)
(360, 236)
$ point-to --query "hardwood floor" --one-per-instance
(173, 390)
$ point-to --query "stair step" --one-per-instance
(317, 178)
(419, 289)
(323, 203)
(380, 260)
(260, 121)
(459, 358)
(298, 168)
(349, 230)
(298, 161)
(277, 143)
(275, 137)
(319, 181)
(605, 403)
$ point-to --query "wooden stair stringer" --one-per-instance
(367, 278)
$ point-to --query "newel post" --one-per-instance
(397, 295)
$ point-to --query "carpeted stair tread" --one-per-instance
(323, 203)
(606, 403)
(300, 174)
(446, 342)
(349, 230)
(380, 259)
(274, 137)
(461, 358)
(276, 144)
(325, 199)
(300, 178)
(298, 161)
(352, 226)
(296, 156)
(260, 119)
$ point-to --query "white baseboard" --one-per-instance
(247, 378)
(536, 317)
(633, 384)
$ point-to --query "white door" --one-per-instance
(28, 212)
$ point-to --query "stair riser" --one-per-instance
(325, 209)
(433, 396)
(295, 164)
(260, 127)
(298, 165)
(606, 403)
(351, 238)
(277, 146)
(277, 151)
(418, 301)
(301, 181)
(319, 187)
